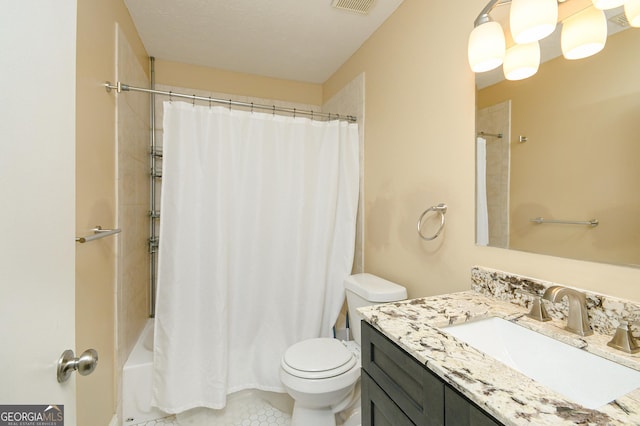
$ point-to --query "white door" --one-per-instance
(37, 201)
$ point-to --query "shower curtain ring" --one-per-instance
(251, 107)
(170, 99)
(229, 104)
(209, 102)
(312, 114)
(274, 110)
(194, 100)
(294, 113)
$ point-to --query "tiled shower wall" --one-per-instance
(496, 119)
(132, 121)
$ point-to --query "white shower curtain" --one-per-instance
(256, 237)
(482, 214)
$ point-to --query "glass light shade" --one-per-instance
(607, 4)
(521, 61)
(584, 34)
(632, 11)
(486, 47)
(532, 20)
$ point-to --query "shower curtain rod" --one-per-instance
(121, 87)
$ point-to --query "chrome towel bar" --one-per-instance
(592, 222)
(440, 209)
(493, 135)
(98, 233)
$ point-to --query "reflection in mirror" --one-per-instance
(579, 159)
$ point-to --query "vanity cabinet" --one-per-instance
(397, 390)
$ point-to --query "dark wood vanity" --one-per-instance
(397, 390)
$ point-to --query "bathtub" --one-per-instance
(137, 381)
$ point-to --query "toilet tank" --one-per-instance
(366, 290)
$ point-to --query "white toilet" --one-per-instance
(322, 374)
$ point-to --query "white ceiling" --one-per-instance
(302, 40)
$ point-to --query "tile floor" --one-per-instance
(246, 413)
(166, 421)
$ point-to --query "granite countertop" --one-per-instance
(509, 396)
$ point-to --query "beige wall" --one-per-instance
(419, 151)
(215, 80)
(96, 199)
(571, 170)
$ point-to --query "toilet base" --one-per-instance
(347, 413)
(354, 420)
(313, 417)
(351, 414)
(305, 416)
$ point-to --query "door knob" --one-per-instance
(84, 365)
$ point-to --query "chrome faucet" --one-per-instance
(577, 318)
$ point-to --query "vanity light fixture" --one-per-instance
(632, 12)
(486, 46)
(607, 4)
(532, 20)
(521, 61)
(584, 34)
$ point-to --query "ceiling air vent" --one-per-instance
(358, 6)
(620, 20)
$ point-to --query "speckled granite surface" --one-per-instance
(605, 312)
(508, 395)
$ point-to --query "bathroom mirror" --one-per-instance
(570, 152)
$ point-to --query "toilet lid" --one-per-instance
(318, 358)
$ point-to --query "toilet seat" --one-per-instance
(319, 358)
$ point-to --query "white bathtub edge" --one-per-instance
(137, 382)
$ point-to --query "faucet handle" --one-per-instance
(538, 312)
(624, 340)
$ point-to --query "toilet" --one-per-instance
(322, 375)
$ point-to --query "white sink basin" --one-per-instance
(582, 377)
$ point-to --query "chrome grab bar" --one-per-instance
(441, 209)
(98, 233)
(592, 222)
(493, 135)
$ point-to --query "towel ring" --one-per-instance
(441, 209)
